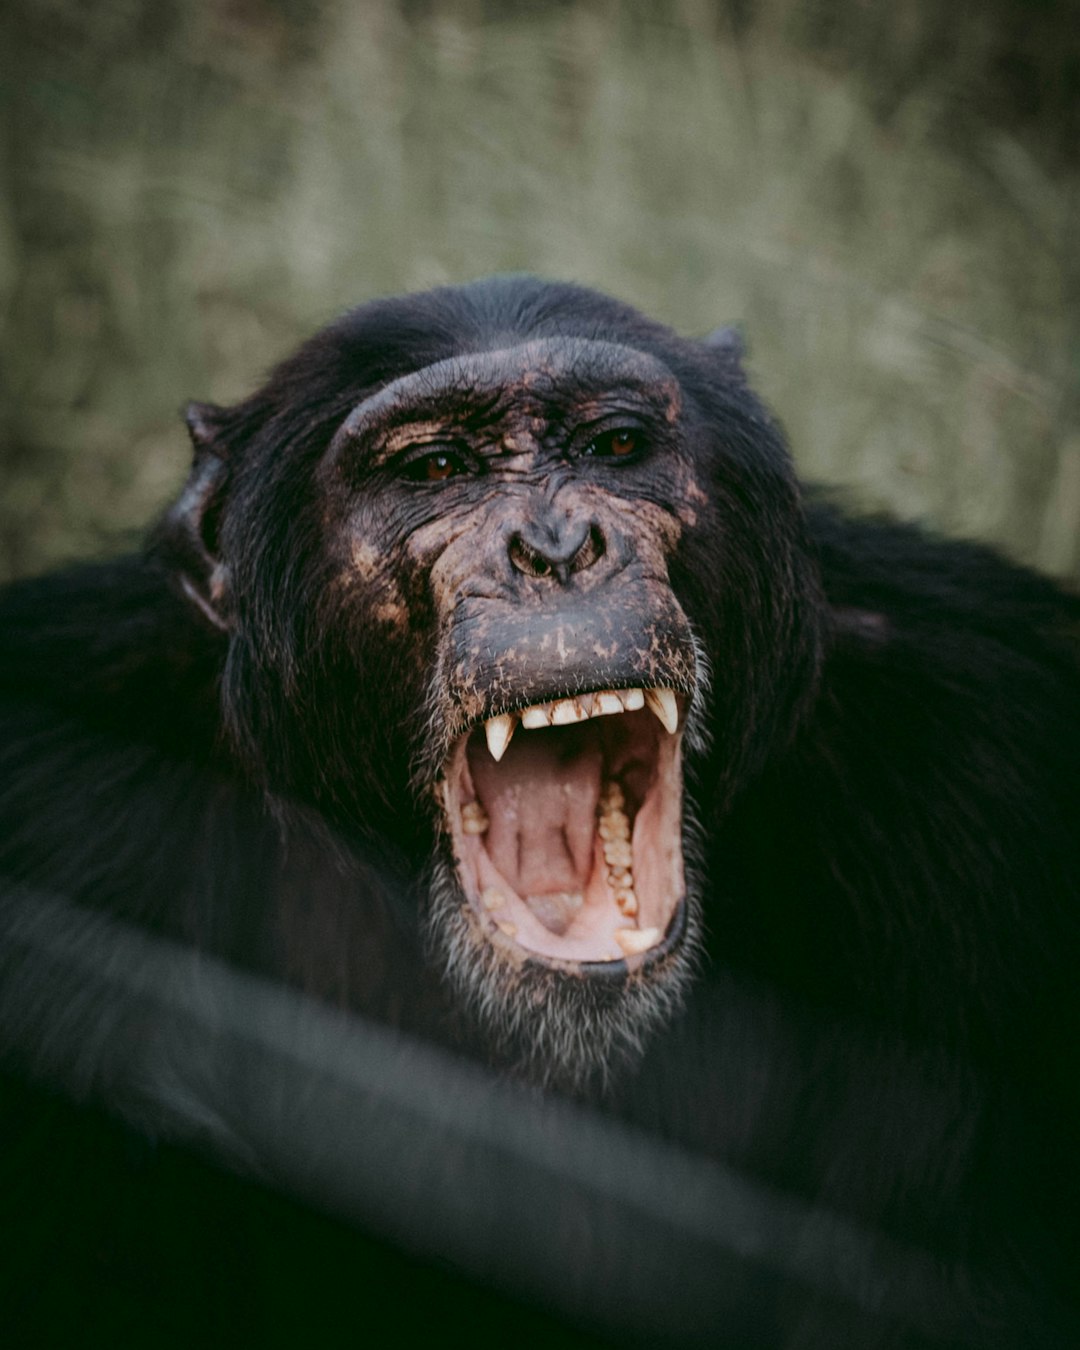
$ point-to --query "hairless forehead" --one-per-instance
(538, 372)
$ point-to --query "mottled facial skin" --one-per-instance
(530, 499)
(463, 549)
(532, 496)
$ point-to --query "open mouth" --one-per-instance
(566, 821)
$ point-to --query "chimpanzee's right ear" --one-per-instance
(204, 422)
(189, 534)
(728, 345)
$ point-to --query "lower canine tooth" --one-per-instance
(633, 941)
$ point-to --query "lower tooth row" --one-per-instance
(613, 826)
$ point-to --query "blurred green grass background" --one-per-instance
(884, 197)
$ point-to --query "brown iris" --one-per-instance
(440, 467)
(620, 443)
(435, 468)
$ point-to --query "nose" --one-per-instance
(556, 547)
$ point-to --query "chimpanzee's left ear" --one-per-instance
(728, 345)
(188, 538)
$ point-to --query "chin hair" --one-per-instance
(549, 1027)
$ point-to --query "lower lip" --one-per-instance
(618, 969)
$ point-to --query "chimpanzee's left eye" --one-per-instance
(617, 444)
(435, 468)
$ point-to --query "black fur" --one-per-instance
(888, 810)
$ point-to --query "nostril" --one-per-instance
(526, 559)
(591, 551)
(564, 552)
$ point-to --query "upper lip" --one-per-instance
(661, 700)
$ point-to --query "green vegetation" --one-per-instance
(887, 206)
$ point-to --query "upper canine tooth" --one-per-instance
(565, 711)
(535, 717)
(633, 699)
(665, 705)
(498, 731)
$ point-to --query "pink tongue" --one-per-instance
(541, 801)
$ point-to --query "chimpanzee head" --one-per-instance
(495, 568)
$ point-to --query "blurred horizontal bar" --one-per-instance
(532, 1196)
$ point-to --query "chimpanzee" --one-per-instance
(493, 676)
